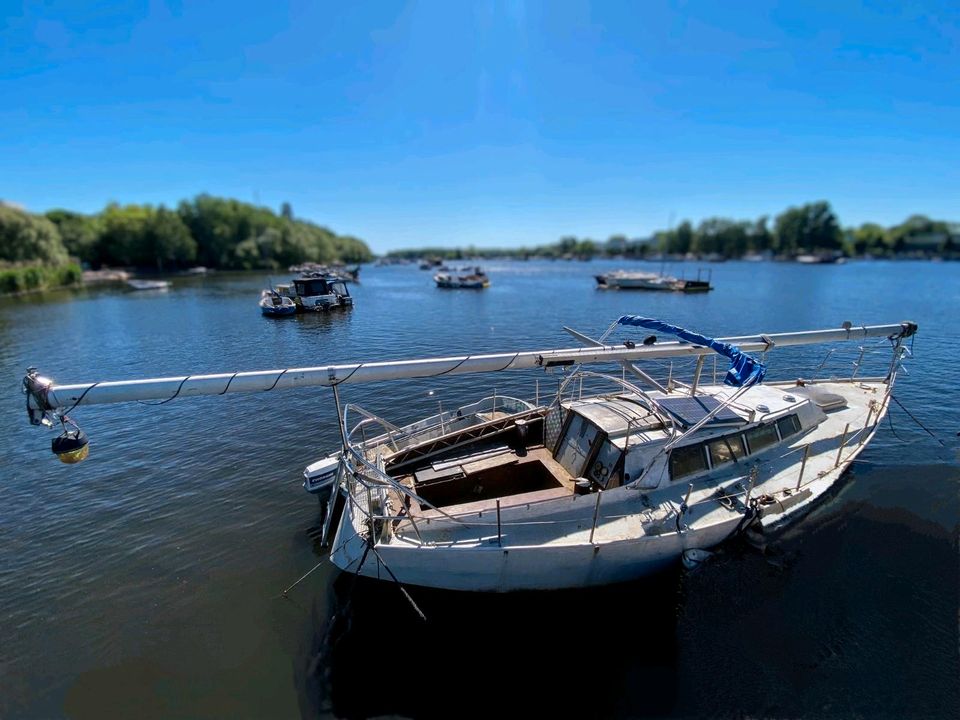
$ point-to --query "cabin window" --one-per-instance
(762, 437)
(726, 450)
(789, 425)
(687, 460)
(339, 288)
(316, 287)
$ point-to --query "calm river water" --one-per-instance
(144, 582)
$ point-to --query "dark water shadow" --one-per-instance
(852, 614)
(562, 653)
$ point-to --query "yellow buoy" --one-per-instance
(71, 446)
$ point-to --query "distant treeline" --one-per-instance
(809, 229)
(214, 232)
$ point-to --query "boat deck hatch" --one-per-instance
(689, 411)
(500, 477)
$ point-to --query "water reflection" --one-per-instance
(566, 653)
(835, 618)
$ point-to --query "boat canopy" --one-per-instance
(743, 369)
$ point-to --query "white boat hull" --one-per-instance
(551, 545)
(491, 568)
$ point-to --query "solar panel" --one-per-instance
(691, 410)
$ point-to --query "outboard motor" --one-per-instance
(320, 477)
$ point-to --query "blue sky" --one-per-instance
(487, 123)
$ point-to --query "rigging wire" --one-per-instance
(403, 590)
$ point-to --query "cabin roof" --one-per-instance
(317, 276)
(766, 400)
(614, 414)
(688, 410)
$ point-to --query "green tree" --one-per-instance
(568, 245)
(869, 238)
(586, 248)
(351, 250)
(29, 238)
(123, 235)
(721, 236)
(759, 237)
(166, 241)
(684, 238)
(918, 229)
(615, 245)
(807, 228)
(230, 233)
(78, 232)
(678, 241)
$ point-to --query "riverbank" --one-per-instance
(19, 279)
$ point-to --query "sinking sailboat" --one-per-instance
(572, 490)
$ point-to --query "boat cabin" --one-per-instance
(602, 442)
(317, 291)
(313, 287)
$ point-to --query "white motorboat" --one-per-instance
(311, 292)
(577, 489)
(149, 284)
(821, 258)
(468, 279)
(274, 304)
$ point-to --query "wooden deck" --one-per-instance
(509, 458)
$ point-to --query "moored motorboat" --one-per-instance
(580, 488)
(634, 280)
(311, 292)
(470, 279)
(136, 284)
(822, 258)
(273, 304)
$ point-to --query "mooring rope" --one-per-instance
(912, 417)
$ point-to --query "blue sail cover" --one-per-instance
(743, 370)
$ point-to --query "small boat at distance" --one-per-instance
(821, 258)
(470, 279)
(273, 304)
(148, 284)
(570, 490)
(634, 280)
